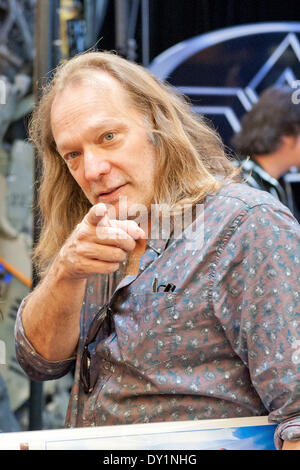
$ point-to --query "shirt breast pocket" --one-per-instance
(153, 328)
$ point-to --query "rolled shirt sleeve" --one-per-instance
(256, 297)
(34, 365)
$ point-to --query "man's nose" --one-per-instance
(95, 164)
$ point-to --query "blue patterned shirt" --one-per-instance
(224, 344)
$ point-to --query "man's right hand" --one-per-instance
(52, 312)
(97, 245)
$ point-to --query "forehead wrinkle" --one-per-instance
(105, 86)
(86, 115)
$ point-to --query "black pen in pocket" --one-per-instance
(154, 284)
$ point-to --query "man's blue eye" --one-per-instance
(109, 136)
(72, 154)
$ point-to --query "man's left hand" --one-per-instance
(291, 445)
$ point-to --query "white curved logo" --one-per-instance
(231, 102)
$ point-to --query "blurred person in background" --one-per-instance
(270, 136)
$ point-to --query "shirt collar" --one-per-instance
(254, 165)
(164, 235)
(157, 245)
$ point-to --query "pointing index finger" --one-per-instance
(97, 215)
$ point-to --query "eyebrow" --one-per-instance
(95, 126)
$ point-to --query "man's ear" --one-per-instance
(289, 141)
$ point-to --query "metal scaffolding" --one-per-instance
(126, 18)
(46, 57)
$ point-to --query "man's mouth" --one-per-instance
(110, 192)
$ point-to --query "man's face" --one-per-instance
(104, 142)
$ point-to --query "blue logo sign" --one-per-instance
(224, 72)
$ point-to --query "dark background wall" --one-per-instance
(172, 21)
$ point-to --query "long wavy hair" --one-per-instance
(191, 160)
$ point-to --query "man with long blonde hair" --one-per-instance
(168, 283)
